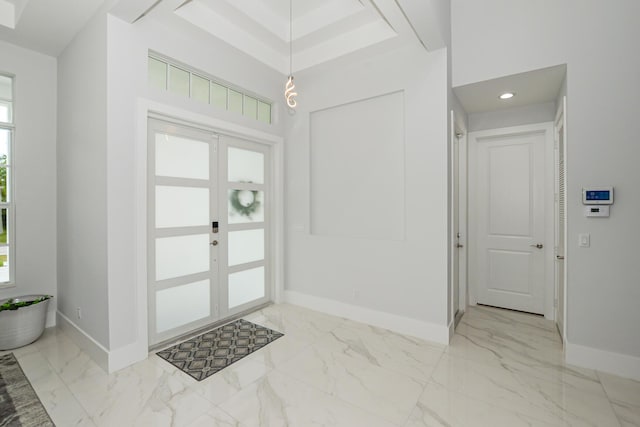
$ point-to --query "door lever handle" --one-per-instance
(214, 243)
(560, 257)
(459, 245)
(537, 245)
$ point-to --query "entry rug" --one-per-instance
(19, 403)
(206, 354)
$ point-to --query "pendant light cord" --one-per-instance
(289, 89)
(290, 37)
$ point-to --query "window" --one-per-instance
(6, 166)
(164, 75)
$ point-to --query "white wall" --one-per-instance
(128, 47)
(380, 278)
(598, 42)
(82, 181)
(35, 172)
(518, 116)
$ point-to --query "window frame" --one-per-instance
(245, 94)
(9, 204)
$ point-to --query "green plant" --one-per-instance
(12, 304)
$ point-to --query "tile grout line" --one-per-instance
(613, 408)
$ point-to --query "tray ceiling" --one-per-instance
(322, 30)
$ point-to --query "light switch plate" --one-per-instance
(584, 240)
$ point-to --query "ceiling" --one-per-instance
(46, 26)
(322, 30)
(533, 87)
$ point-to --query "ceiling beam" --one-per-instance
(132, 10)
(7, 14)
(430, 20)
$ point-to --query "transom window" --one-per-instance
(7, 129)
(165, 75)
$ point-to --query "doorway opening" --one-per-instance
(514, 254)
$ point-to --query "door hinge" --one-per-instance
(555, 303)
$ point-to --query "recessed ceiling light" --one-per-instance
(507, 95)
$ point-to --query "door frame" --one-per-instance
(458, 201)
(549, 237)
(561, 121)
(145, 109)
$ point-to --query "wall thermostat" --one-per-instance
(597, 201)
(597, 211)
(597, 196)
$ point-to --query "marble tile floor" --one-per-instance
(502, 369)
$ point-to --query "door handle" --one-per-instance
(537, 245)
(459, 245)
(214, 243)
(560, 257)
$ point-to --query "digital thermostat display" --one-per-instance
(597, 196)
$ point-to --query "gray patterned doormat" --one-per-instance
(19, 403)
(206, 354)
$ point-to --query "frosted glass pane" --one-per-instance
(246, 206)
(199, 88)
(250, 107)
(181, 305)
(181, 206)
(181, 157)
(246, 246)
(182, 255)
(157, 74)
(246, 286)
(218, 96)
(245, 166)
(264, 112)
(179, 81)
(235, 101)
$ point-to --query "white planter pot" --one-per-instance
(24, 325)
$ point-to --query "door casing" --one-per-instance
(458, 217)
(561, 223)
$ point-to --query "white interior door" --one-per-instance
(509, 219)
(560, 216)
(208, 234)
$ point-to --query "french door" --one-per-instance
(208, 228)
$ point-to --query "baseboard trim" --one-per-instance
(94, 349)
(404, 325)
(602, 360)
(128, 355)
